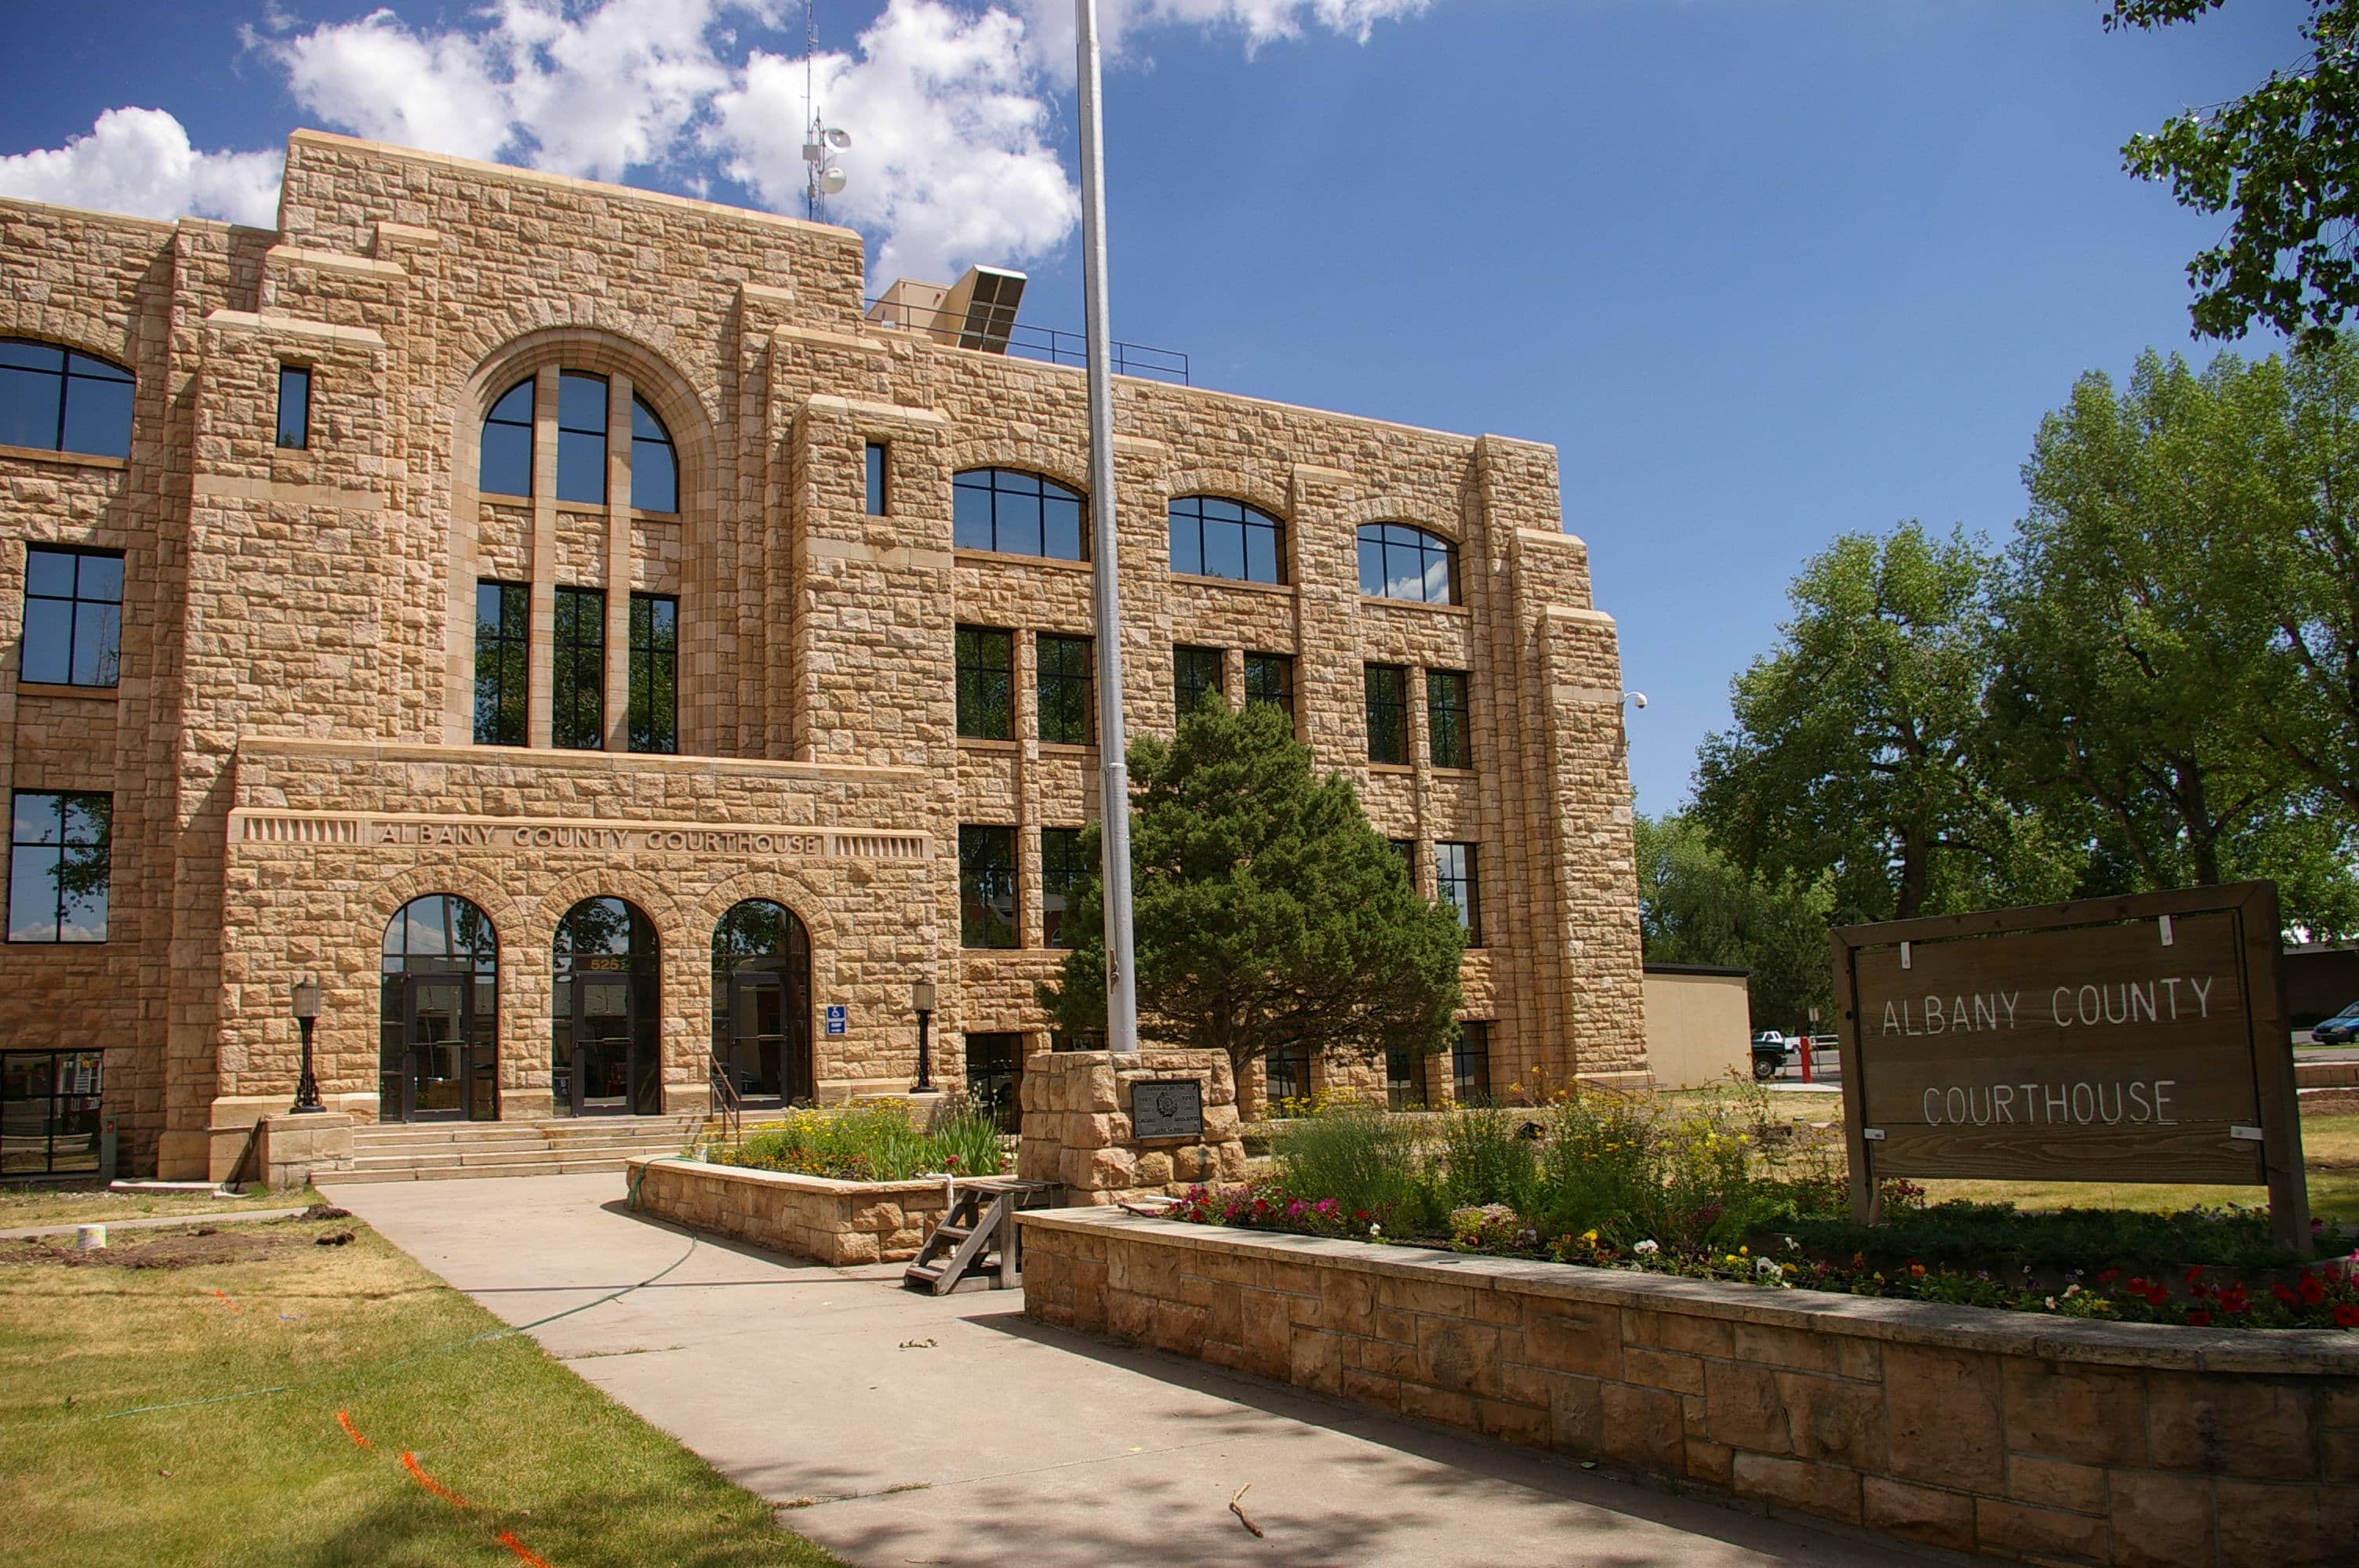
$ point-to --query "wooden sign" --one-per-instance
(1166, 1107)
(2137, 1039)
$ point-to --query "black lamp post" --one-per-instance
(307, 1012)
(921, 997)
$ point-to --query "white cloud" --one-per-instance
(140, 161)
(948, 165)
(1261, 22)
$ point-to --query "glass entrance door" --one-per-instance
(757, 1023)
(437, 1029)
(602, 1044)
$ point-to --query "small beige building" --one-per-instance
(1699, 1024)
(560, 618)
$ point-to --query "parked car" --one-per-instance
(2340, 1030)
(1770, 1051)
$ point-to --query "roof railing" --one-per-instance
(1047, 344)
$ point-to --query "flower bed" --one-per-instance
(1724, 1193)
(879, 1142)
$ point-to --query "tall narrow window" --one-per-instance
(1454, 876)
(1447, 724)
(1469, 1064)
(1397, 561)
(73, 617)
(1063, 873)
(1285, 1081)
(986, 662)
(1017, 514)
(61, 401)
(505, 467)
(878, 497)
(581, 438)
(1387, 714)
(987, 887)
(655, 467)
(1400, 1081)
(503, 640)
(654, 673)
(1406, 849)
(1269, 677)
(294, 407)
(1194, 673)
(59, 856)
(1213, 537)
(578, 697)
(1062, 675)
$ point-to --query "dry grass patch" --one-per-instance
(89, 1203)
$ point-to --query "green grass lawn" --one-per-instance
(575, 1478)
(90, 1202)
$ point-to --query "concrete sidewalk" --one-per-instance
(905, 1429)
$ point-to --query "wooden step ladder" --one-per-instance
(977, 1246)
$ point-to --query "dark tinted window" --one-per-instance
(877, 474)
(986, 661)
(1213, 537)
(654, 673)
(59, 854)
(578, 695)
(1400, 1081)
(1062, 872)
(60, 401)
(73, 617)
(1387, 714)
(987, 887)
(503, 626)
(581, 438)
(655, 467)
(1454, 880)
(1016, 513)
(1269, 677)
(1469, 1064)
(1063, 681)
(1448, 723)
(294, 407)
(506, 467)
(1397, 561)
(1194, 672)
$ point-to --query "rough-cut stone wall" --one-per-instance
(838, 1223)
(2014, 1435)
(327, 596)
(1080, 1129)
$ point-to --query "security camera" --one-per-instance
(1637, 699)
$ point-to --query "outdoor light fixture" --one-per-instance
(307, 1014)
(922, 1001)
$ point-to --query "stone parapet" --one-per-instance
(2011, 1435)
(292, 1150)
(835, 1222)
(1079, 1128)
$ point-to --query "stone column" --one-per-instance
(1079, 1127)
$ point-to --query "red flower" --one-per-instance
(2108, 1276)
(2312, 1293)
(2199, 1319)
(2194, 1273)
(2285, 1295)
(2346, 1317)
(2234, 1301)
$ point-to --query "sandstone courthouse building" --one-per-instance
(562, 621)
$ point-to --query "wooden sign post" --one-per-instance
(2138, 1039)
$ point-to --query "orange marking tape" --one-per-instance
(530, 1558)
(227, 1303)
(344, 1420)
(410, 1462)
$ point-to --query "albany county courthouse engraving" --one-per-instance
(570, 624)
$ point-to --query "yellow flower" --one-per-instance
(1744, 1251)
(1590, 1237)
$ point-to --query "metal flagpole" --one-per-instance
(1122, 971)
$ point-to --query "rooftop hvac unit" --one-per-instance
(976, 312)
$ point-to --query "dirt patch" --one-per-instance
(176, 1249)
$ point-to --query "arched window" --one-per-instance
(761, 1002)
(61, 400)
(1397, 561)
(602, 1050)
(1213, 537)
(1017, 514)
(655, 468)
(582, 438)
(506, 467)
(439, 1017)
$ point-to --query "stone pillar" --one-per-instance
(293, 1149)
(1078, 1127)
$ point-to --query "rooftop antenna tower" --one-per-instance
(821, 142)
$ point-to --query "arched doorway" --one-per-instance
(762, 1003)
(603, 1057)
(438, 1013)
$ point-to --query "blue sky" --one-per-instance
(1762, 271)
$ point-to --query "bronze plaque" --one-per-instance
(1166, 1107)
(2124, 1040)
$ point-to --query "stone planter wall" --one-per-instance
(2006, 1433)
(810, 1217)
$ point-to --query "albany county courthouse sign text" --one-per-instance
(570, 624)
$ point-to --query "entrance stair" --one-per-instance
(438, 1151)
(977, 1246)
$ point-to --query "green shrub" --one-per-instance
(1357, 1154)
(1487, 1158)
(872, 1143)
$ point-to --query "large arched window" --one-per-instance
(1017, 514)
(1213, 537)
(505, 465)
(761, 1002)
(438, 1015)
(582, 438)
(655, 468)
(603, 1057)
(1397, 561)
(61, 400)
